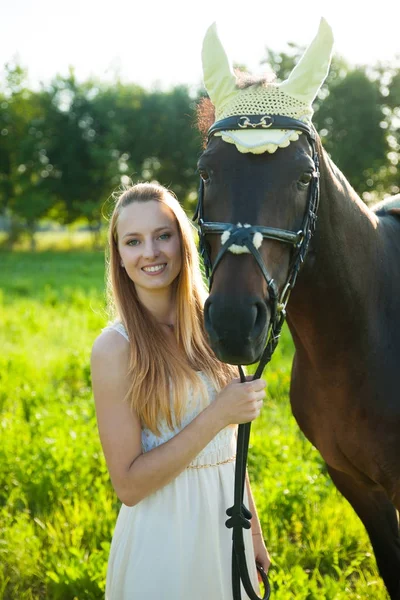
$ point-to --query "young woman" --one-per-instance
(166, 412)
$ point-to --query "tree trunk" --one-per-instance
(31, 227)
(15, 232)
(95, 229)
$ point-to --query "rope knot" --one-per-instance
(238, 517)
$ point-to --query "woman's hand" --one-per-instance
(261, 553)
(239, 403)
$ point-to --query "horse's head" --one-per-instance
(257, 190)
(258, 196)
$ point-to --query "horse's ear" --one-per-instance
(219, 78)
(310, 72)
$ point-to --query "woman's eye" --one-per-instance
(133, 242)
(165, 236)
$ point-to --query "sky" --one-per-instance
(158, 43)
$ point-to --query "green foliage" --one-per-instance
(66, 147)
(349, 121)
(57, 506)
(356, 115)
(23, 162)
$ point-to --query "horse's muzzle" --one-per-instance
(237, 329)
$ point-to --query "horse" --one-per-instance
(342, 312)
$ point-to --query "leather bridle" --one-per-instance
(244, 236)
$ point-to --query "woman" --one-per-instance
(166, 411)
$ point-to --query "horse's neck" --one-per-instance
(330, 300)
(346, 232)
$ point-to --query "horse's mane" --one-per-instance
(205, 110)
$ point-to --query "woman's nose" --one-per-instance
(150, 249)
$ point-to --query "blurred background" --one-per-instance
(92, 95)
(95, 95)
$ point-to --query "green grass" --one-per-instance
(60, 240)
(57, 506)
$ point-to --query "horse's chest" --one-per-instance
(321, 421)
(345, 425)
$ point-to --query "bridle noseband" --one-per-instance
(248, 238)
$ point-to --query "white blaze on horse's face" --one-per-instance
(235, 248)
(291, 98)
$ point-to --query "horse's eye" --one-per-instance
(305, 178)
(204, 175)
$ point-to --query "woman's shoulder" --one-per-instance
(113, 341)
(117, 326)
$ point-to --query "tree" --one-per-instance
(350, 118)
(23, 162)
(389, 76)
(80, 148)
(349, 121)
(157, 137)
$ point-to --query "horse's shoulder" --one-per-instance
(389, 206)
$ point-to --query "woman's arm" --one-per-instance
(135, 475)
(255, 521)
(260, 551)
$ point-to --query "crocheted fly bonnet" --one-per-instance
(291, 98)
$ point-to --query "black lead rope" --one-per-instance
(239, 515)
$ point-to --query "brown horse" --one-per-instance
(343, 315)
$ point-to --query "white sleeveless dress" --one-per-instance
(174, 545)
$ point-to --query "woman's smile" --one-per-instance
(154, 269)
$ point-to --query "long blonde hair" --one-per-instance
(156, 371)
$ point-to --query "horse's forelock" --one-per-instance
(205, 110)
(245, 80)
(205, 115)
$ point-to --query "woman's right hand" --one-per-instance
(238, 402)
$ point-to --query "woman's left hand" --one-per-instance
(261, 553)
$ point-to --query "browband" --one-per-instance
(243, 122)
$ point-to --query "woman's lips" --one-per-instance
(154, 269)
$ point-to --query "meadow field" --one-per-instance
(57, 506)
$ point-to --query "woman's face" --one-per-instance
(149, 245)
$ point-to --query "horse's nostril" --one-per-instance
(236, 332)
(221, 321)
(259, 323)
